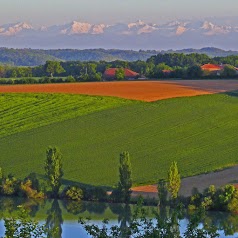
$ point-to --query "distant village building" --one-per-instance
(167, 72)
(215, 69)
(111, 74)
(212, 69)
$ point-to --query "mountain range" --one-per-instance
(136, 35)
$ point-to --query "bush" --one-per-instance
(70, 79)
(29, 192)
(10, 186)
(34, 181)
(95, 194)
(73, 193)
(45, 80)
(57, 80)
(233, 203)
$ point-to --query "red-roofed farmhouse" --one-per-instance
(215, 69)
(211, 67)
(111, 74)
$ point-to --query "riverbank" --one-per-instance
(195, 183)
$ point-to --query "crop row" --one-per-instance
(20, 112)
(200, 133)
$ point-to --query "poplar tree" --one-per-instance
(53, 169)
(174, 180)
(125, 180)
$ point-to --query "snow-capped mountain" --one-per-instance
(134, 35)
(13, 29)
(82, 28)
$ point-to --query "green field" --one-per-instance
(20, 112)
(200, 133)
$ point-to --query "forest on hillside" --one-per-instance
(35, 57)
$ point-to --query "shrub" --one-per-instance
(233, 203)
(70, 79)
(9, 186)
(45, 80)
(191, 207)
(73, 193)
(28, 191)
(34, 181)
(95, 194)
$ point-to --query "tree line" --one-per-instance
(224, 198)
(180, 66)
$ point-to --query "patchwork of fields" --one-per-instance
(200, 133)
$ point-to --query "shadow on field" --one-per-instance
(66, 182)
(232, 93)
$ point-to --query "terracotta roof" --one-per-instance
(111, 72)
(167, 71)
(211, 67)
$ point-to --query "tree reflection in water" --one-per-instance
(54, 220)
(228, 223)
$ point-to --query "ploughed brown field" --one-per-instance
(138, 90)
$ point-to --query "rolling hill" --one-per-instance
(200, 133)
(34, 57)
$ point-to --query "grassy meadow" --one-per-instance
(200, 133)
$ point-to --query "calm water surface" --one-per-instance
(65, 215)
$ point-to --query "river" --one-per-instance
(65, 215)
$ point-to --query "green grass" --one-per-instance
(200, 133)
(20, 112)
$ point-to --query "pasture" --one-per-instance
(200, 133)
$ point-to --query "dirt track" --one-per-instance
(209, 85)
(199, 182)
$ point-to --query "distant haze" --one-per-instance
(51, 12)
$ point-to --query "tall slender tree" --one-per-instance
(53, 169)
(125, 180)
(174, 180)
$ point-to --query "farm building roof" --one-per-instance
(215, 67)
(167, 71)
(111, 72)
(211, 67)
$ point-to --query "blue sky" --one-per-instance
(49, 12)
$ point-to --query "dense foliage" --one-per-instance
(125, 179)
(169, 65)
(33, 57)
(174, 180)
(223, 199)
(54, 169)
(23, 226)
